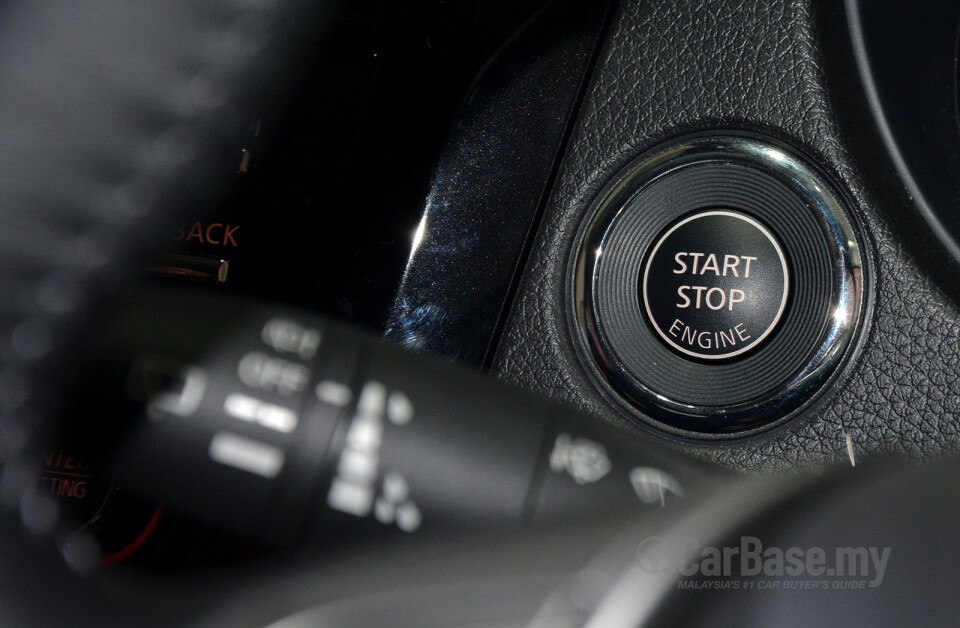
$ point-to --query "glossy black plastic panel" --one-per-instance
(330, 185)
(490, 184)
(907, 57)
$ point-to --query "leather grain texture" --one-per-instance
(672, 68)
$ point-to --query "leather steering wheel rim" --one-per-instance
(115, 116)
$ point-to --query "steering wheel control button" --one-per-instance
(715, 285)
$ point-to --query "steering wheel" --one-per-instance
(113, 116)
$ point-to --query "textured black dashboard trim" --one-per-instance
(670, 69)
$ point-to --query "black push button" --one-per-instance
(715, 284)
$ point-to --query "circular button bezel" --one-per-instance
(614, 236)
(783, 265)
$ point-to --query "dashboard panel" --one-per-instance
(786, 71)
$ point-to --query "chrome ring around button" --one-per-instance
(771, 381)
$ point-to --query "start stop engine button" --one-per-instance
(715, 285)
